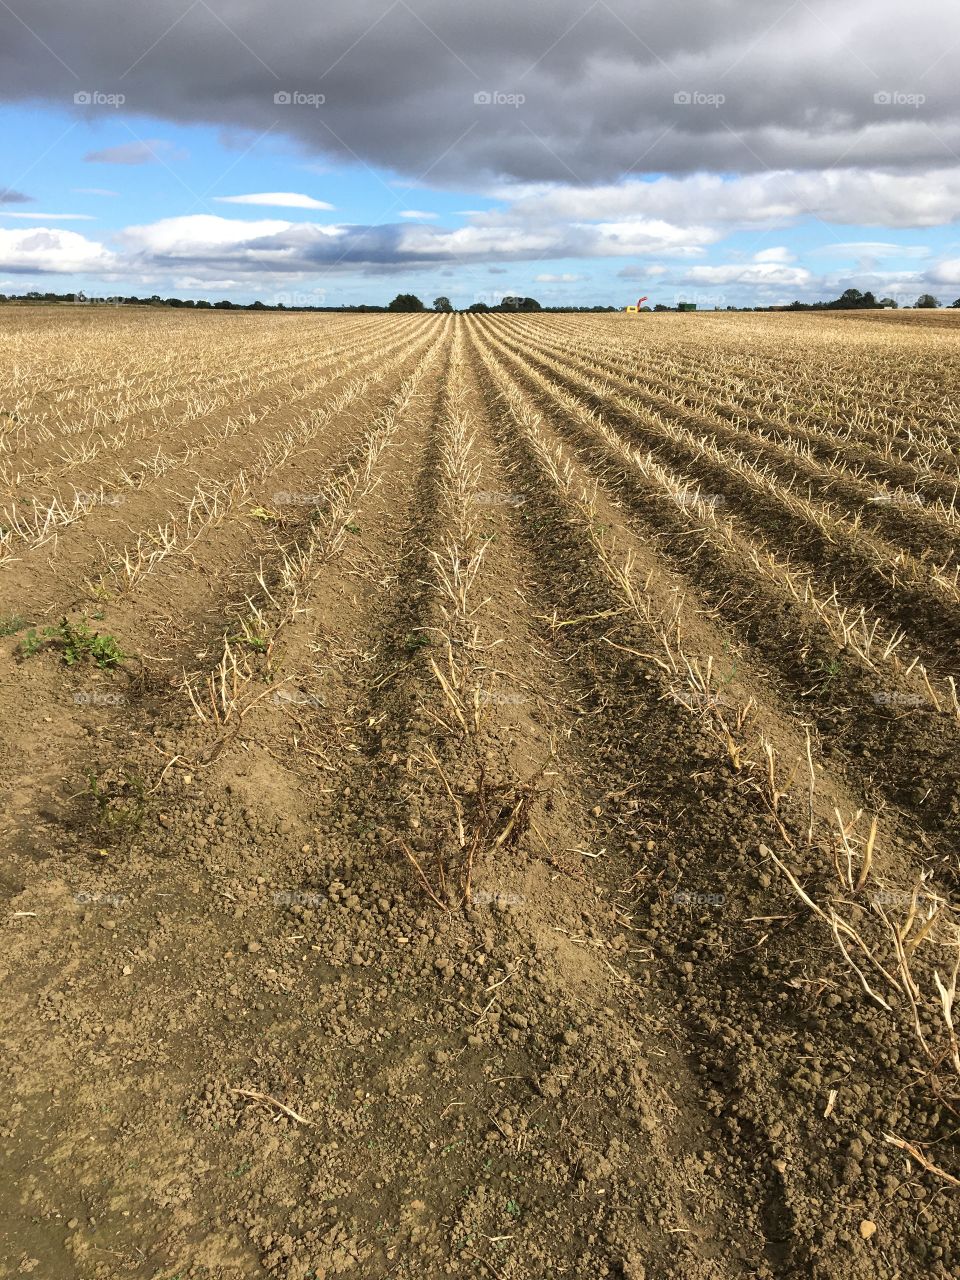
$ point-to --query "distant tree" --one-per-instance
(889, 302)
(406, 302)
(442, 304)
(955, 306)
(868, 300)
(848, 299)
(512, 302)
(660, 306)
(478, 306)
(927, 302)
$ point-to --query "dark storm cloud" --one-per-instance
(569, 92)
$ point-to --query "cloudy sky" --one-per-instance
(722, 151)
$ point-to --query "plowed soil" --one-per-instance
(506, 824)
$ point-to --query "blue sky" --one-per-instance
(182, 159)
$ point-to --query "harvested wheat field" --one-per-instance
(482, 795)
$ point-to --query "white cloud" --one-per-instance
(874, 249)
(223, 284)
(843, 196)
(647, 235)
(757, 273)
(199, 235)
(277, 199)
(776, 254)
(417, 213)
(946, 272)
(49, 249)
(236, 253)
(231, 244)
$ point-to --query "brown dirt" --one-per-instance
(451, 937)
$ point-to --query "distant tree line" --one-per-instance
(854, 300)
(849, 300)
(410, 302)
(198, 304)
(402, 302)
(510, 303)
